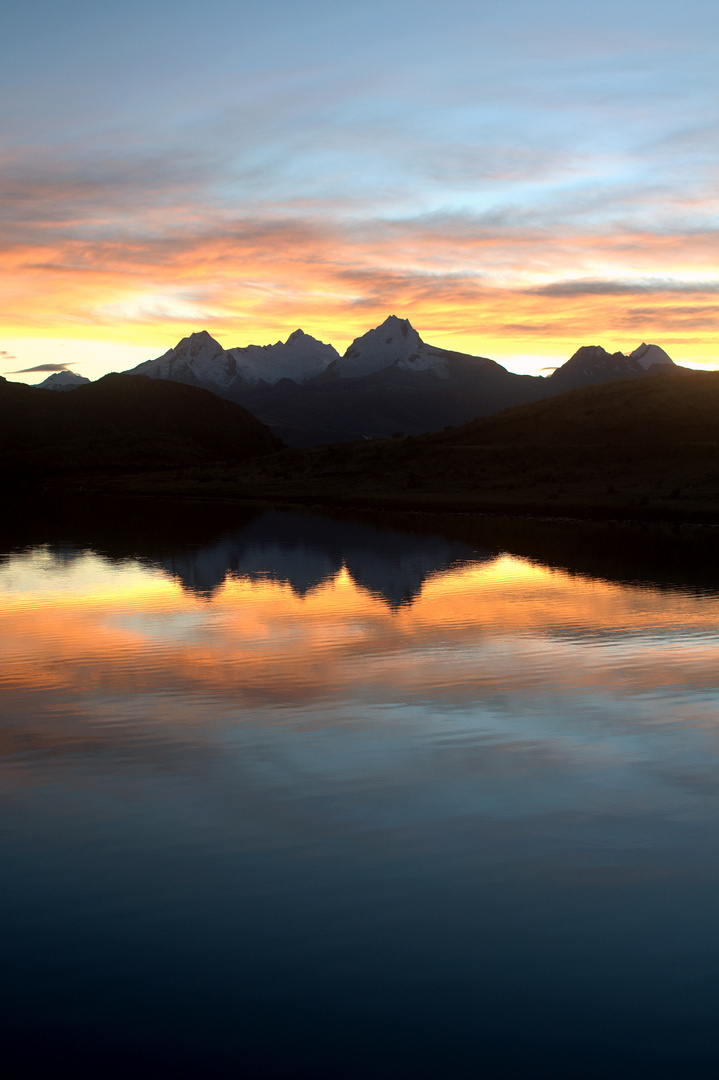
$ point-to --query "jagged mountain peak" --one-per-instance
(592, 364)
(198, 343)
(588, 353)
(63, 380)
(200, 359)
(395, 341)
(644, 355)
(198, 339)
(648, 355)
(299, 358)
(200, 334)
(393, 323)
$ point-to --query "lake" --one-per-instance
(287, 795)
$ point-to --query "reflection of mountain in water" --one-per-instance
(304, 550)
(386, 553)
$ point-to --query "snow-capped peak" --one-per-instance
(647, 355)
(63, 380)
(299, 358)
(201, 359)
(395, 342)
(198, 358)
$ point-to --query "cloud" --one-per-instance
(40, 367)
(623, 288)
(533, 329)
(4, 355)
(144, 251)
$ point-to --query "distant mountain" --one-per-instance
(649, 355)
(63, 380)
(393, 344)
(123, 423)
(200, 360)
(592, 365)
(388, 381)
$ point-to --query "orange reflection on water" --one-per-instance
(501, 625)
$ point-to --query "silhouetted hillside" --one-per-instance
(122, 423)
(332, 408)
(679, 407)
(646, 447)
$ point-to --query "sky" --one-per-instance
(516, 177)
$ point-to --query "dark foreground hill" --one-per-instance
(644, 448)
(122, 424)
(677, 408)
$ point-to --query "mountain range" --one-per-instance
(644, 447)
(388, 381)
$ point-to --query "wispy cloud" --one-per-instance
(624, 288)
(40, 367)
(563, 187)
(472, 281)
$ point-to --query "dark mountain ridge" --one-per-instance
(387, 381)
(646, 447)
(591, 365)
(677, 407)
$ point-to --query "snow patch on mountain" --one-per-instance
(201, 359)
(198, 358)
(299, 358)
(63, 380)
(647, 355)
(394, 343)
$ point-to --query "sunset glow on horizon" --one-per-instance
(517, 180)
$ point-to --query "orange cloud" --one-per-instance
(484, 286)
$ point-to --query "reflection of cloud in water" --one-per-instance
(520, 755)
(487, 696)
(503, 695)
(306, 551)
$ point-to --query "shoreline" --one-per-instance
(190, 488)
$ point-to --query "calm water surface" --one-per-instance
(304, 797)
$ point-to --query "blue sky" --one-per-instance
(517, 178)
